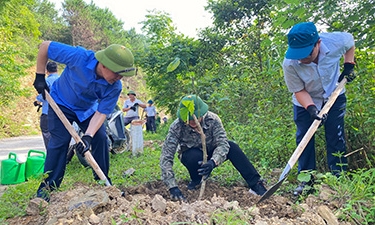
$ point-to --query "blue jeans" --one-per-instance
(334, 135)
(55, 163)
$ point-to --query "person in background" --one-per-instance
(86, 92)
(183, 132)
(131, 108)
(151, 113)
(157, 120)
(311, 72)
(52, 75)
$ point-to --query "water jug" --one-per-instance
(12, 171)
(35, 163)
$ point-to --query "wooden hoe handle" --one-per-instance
(90, 159)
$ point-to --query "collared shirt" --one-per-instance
(49, 80)
(183, 136)
(150, 110)
(319, 80)
(132, 113)
(78, 87)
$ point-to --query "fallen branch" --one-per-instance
(204, 149)
(350, 153)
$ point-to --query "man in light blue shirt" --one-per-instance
(52, 75)
(86, 92)
(312, 72)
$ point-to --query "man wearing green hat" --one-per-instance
(86, 92)
(183, 133)
(312, 72)
(131, 107)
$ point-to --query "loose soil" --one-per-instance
(150, 204)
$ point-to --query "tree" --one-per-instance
(52, 26)
(19, 32)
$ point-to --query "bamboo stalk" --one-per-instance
(204, 149)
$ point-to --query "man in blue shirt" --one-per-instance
(52, 75)
(312, 72)
(86, 92)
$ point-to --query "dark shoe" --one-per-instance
(193, 185)
(44, 194)
(258, 188)
(307, 186)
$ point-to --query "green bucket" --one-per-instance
(12, 172)
(35, 163)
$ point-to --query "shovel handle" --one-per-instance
(305, 140)
(314, 126)
(90, 159)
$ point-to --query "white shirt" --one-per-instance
(128, 103)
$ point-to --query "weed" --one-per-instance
(232, 217)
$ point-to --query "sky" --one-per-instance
(187, 15)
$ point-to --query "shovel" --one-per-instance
(305, 140)
(90, 159)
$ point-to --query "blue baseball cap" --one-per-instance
(301, 40)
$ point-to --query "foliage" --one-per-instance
(355, 195)
(19, 32)
(230, 218)
(165, 47)
(52, 26)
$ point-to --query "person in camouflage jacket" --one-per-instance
(184, 138)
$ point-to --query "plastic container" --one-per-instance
(35, 163)
(12, 171)
(136, 133)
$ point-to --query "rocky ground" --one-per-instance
(150, 204)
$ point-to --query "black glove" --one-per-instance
(206, 168)
(40, 84)
(136, 104)
(133, 108)
(348, 72)
(86, 140)
(313, 111)
(176, 194)
(314, 114)
(36, 103)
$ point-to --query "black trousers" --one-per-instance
(191, 157)
(150, 125)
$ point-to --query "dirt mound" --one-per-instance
(150, 204)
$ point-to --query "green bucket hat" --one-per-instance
(131, 93)
(189, 105)
(118, 59)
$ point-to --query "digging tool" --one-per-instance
(305, 140)
(90, 159)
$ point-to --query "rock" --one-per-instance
(36, 206)
(254, 211)
(92, 199)
(327, 215)
(326, 193)
(312, 218)
(113, 192)
(128, 172)
(159, 203)
(94, 219)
